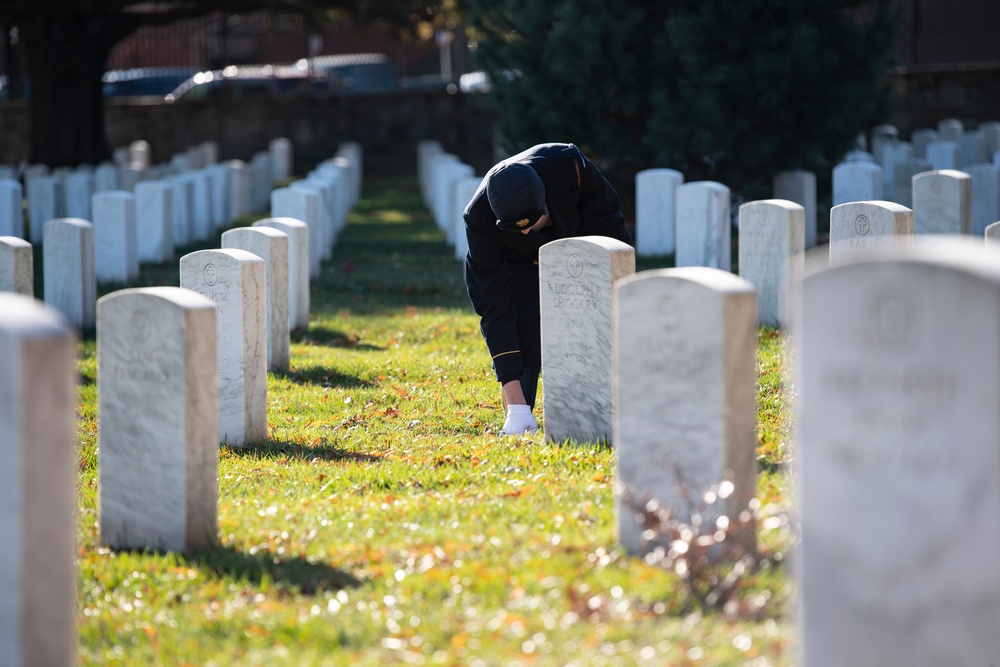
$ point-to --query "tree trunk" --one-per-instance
(66, 58)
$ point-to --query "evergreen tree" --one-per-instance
(720, 90)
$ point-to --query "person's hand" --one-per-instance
(519, 421)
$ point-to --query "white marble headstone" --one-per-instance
(201, 205)
(80, 189)
(353, 152)
(235, 280)
(239, 188)
(448, 176)
(893, 153)
(61, 174)
(991, 132)
(338, 178)
(140, 154)
(210, 150)
(281, 159)
(703, 226)
(904, 172)
(985, 195)
(37, 485)
(158, 407)
(342, 177)
(105, 178)
(771, 251)
(799, 186)
(328, 208)
(465, 190)
(898, 478)
(301, 204)
(950, 129)
(882, 136)
(856, 181)
(858, 229)
(180, 162)
(262, 181)
(270, 245)
(351, 160)
(42, 194)
(972, 148)
(11, 209)
(993, 235)
(221, 205)
(32, 170)
(17, 273)
(920, 139)
(942, 202)
(858, 156)
(298, 267)
(154, 221)
(128, 177)
(115, 241)
(685, 391)
(576, 276)
(426, 150)
(655, 208)
(182, 210)
(943, 154)
(69, 275)
(435, 170)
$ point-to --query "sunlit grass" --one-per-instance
(384, 522)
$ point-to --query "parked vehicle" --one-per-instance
(354, 72)
(248, 81)
(144, 81)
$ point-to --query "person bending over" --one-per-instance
(548, 192)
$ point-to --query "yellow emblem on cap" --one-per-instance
(523, 222)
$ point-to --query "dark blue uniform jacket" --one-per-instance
(501, 267)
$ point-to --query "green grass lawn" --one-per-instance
(384, 522)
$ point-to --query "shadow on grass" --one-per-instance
(323, 376)
(292, 450)
(294, 573)
(320, 335)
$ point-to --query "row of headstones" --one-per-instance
(180, 370)
(771, 233)
(447, 185)
(892, 173)
(128, 229)
(671, 215)
(944, 202)
(949, 146)
(204, 192)
(898, 464)
(123, 230)
(322, 200)
(665, 204)
(138, 155)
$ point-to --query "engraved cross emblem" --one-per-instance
(138, 325)
(211, 274)
(574, 265)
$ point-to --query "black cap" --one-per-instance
(517, 196)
